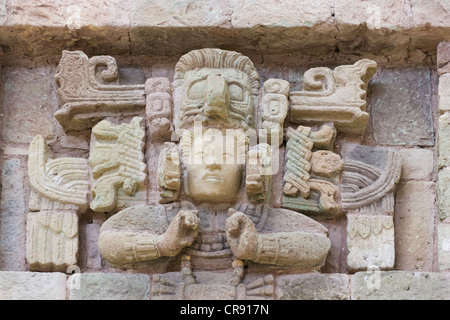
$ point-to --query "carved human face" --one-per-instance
(214, 172)
(217, 96)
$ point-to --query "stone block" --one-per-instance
(443, 239)
(443, 194)
(414, 226)
(160, 24)
(13, 217)
(313, 286)
(401, 107)
(73, 13)
(284, 26)
(417, 164)
(163, 13)
(444, 93)
(444, 140)
(371, 25)
(89, 255)
(29, 103)
(400, 285)
(290, 13)
(109, 286)
(423, 10)
(16, 285)
(443, 57)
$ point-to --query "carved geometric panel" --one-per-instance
(370, 241)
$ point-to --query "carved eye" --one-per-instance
(236, 92)
(197, 90)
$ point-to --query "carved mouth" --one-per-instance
(212, 178)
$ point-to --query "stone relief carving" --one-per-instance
(213, 230)
(274, 107)
(215, 211)
(89, 90)
(311, 175)
(369, 179)
(159, 108)
(118, 165)
(337, 95)
(169, 173)
(59, 191)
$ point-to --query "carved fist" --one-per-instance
(242, 235)
(181, 232)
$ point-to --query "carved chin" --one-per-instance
(213, 191)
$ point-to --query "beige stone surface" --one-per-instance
(163, 13)
(414, 219)
(444, 93)
(423, 9)
(400, 285)
(28, 104)
(443, 240)
(16, 285)
(73, 14)
(290, 13)
(417, 164)
(112, 286)
(444, 140)
(313, 286)
(443, 58)
(443, 194)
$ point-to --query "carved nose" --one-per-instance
(217, 98)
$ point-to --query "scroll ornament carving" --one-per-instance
(89, 90)
(337, 95)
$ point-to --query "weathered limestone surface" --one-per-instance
(417, 164)
(443, 193)
(32, 286)
(313, 286)
(388, 28)
(400, 285)
(401, 107)
(31, 113)
(112, 286)
(415, 216)
(89, 257)
(13, 216)
(443, 240)
(444, 140)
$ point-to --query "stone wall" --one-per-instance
(408, 102)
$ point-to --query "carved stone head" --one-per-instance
(214, 163)
(218, 87)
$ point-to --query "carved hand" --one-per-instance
(181, 232)
(242, 235)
